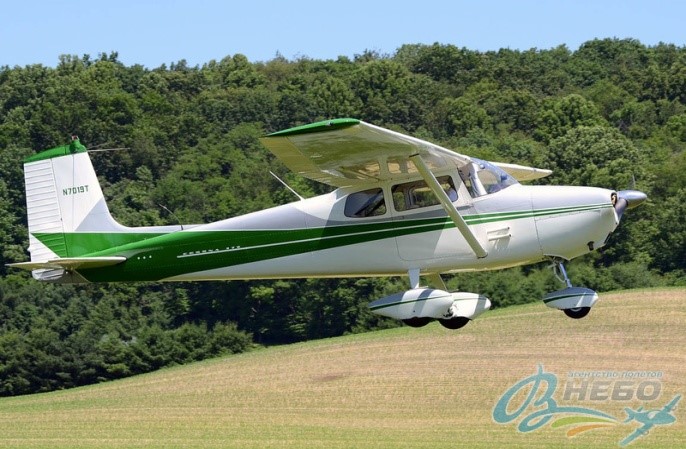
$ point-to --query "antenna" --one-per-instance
(100, 150)
(286, 186)
(172, 214)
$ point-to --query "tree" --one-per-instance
(595, 156)
(559, 116)
(668, 247)
(385, 89)
(463, 116)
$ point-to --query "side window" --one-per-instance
(482, 178)
(367, 203)
(416, 194)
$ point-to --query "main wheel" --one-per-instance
(454, 323)
(418, 321)
(577, 312)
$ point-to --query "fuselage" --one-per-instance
(319, 237)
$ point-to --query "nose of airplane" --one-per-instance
(628, 199)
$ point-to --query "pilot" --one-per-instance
(472, 182)
(452, 193)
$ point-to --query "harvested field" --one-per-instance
(401, 388)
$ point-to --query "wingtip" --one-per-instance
(322, 126)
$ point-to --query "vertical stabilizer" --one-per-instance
(63, 196)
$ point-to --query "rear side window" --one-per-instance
(367, 203)
(416, 194)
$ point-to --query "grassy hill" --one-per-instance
(401, 388)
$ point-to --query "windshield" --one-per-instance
(483, 178)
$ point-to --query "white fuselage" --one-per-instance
(518, 225)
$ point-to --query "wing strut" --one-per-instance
(436, 188)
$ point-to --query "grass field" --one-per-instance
(401, 388)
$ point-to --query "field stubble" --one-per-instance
(401, 388)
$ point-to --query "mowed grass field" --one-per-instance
(400, 388)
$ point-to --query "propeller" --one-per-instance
(628, 199)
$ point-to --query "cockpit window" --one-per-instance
(483, 178)
(367, 203)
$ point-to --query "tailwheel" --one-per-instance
(454, 323)
(417, 321)
(577, 312)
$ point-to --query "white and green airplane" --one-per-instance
(403, 206)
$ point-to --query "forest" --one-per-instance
(611, 113)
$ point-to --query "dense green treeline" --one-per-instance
(611, 114)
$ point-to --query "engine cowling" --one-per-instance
(431, 303)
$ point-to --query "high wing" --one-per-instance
(346, 152)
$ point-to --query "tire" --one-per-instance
(417, 321)
(454, 323)
(577, 313)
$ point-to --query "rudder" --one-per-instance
(63, 195)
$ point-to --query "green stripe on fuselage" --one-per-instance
(159, 256)
(192, 251)
(79, 244)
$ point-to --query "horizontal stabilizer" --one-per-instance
(70, 263)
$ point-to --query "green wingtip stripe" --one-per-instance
(326, 125)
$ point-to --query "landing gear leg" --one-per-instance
(561, 273)
(575, 302)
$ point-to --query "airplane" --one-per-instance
(402, 207)
(649, 419)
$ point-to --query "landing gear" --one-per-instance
(417, 321)
(454, 323)
(575, 302)
(577, 312)
(419, 306)
(561, 273)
